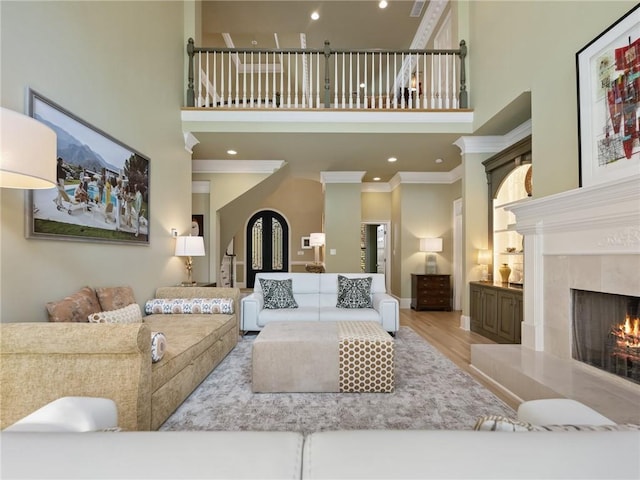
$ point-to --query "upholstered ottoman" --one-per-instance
(323, 357)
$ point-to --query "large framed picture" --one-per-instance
(608, 102)
(102, 192)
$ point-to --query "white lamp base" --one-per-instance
(432, 265)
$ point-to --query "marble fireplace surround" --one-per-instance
(588, 239)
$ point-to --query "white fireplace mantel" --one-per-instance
(598, 220)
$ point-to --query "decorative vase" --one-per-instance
(505, 271)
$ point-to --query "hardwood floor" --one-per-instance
(442, 330)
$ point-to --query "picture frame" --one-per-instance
(197, 225)
(104, 195)
(305, 243)
(609, 103)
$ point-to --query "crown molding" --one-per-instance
(236, 166)
(493, 143)
(341, 177)
(428, 23)
(377, 187)
(190, 141)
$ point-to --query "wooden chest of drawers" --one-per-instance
(430, 292)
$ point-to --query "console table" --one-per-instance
(430, 292)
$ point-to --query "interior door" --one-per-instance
(267, 245)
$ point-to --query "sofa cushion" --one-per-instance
(356, 314)
(354, 292)
(278, 293)
(158, 346)
(189, 305)
(113, 298)
(188, 336)
(300, 314)
(74, 308)
(128, 314)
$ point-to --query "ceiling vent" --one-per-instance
(416, 10)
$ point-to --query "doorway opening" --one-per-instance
(374, 249)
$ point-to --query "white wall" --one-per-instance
(118, 66)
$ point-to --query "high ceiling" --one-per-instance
(347, 25)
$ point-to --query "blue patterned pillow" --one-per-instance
(354, 292)
(278, 293)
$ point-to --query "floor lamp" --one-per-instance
(431, 245)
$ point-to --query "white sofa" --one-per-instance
(371, 454)
(316, 295)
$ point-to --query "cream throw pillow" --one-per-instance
(128, 314)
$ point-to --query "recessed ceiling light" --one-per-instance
(392, 159)
(376, 179)
(315, 16)
(438, 160)
(232, 152)
(383, 4)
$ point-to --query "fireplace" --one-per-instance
(606, 332)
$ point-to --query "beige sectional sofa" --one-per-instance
(40, 362)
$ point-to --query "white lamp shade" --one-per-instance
(27, 152)
(431, 244)
(316, 239)
(189, 247)
(484, 257)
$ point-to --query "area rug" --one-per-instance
(431, 393)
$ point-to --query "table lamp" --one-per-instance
(484, 259)
(431, 245)
(189, 247)
(316, 240)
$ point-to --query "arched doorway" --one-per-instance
(267, 245)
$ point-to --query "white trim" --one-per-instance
(376, 187)
(190, 141)
(236, 166)
(493, 143)
(200, 186)
(341, 177)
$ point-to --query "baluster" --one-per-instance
(311, 80)
(402, 82)
(236, 104)
(295, 56)
(288, 79)
(199, 79)
(252, 101)
(424, 80)
(318, 80)
(266, 79)
(230, 87)
(343, 80)
(395, 71)
(439, 81)
(446, 81)
(381, 98)
(207, 88)
(244, 79)
(366, 87)
(214, 80)
(358, 80)
(273, 79)
(350, 80)
(388, 105)
(433, 86)
(259, 98)
(335, 81)
(454, 83)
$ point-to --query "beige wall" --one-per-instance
(516, 47)
(376, 206)
(113, 64)
(342, 210)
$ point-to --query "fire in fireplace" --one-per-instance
(606, 332)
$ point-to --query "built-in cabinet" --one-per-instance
(496, 311)
(496, 305)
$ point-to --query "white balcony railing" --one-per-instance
(338, 79)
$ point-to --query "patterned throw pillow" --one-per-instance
(114, 298)
(128, 314)
(74, 308)
(354, 292)
(278, 293)
(158, 346)
(499, 423)
(167, 306)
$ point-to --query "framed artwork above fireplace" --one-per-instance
(609, 103)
